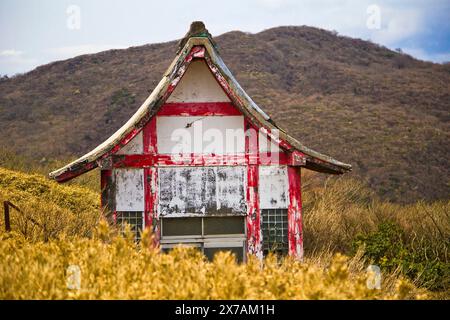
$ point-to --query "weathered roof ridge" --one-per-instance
(314, 160)
(197, 29)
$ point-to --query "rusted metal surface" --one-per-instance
(196, 47)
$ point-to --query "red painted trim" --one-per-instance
(196, 52)
(276, 158)
(133, 160)
(253, 219)
(122, 143)
(296, 159)
(295, 232)
(151, 204)
(199, 160)
(251, 143)
(148, 160)
(281, 143)
(199, 109)
(150, 176)
(148, 213)
(150, 137)
(66, 176)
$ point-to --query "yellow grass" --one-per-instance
(115, 268)
(33, 263)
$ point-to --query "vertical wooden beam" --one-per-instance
(295, 232)
(149, 137)
(108, 194)
(254, 236)
(151, 181)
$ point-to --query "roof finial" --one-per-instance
(197, 29)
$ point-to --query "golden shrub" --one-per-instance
(117, 268)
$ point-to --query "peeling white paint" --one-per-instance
(200, 135)
(134, 146)
(202, 191)
(129, 189)
(273, 187)
(198, 85)
(265, 145)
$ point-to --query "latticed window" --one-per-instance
(134, 218)
(275, 231)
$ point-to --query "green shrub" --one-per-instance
(388, 248)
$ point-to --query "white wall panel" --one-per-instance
(129, 189)
(134, 146)
(265, 145)
(273, 187)
(201, 190)
(198, 85)
(207, 135)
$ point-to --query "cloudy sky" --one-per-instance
(36, 32)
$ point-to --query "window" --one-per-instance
(134, 218)
(209, 234)
(274, 201)
(275, 231)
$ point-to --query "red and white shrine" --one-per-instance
(201, 164)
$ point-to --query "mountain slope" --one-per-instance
(384, 112)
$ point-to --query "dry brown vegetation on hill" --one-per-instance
(382, 111)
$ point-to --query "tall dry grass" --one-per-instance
(55, 209)
(343, 215)
(114, 267)
(338, 215)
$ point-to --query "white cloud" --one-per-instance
(15, 61)
(10, 53)
(398, 25)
